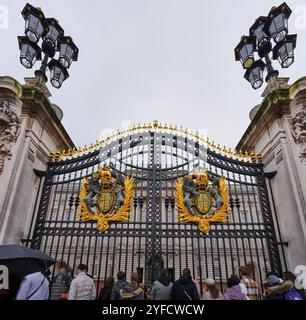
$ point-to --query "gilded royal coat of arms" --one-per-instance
(202, 198)
(106, 197)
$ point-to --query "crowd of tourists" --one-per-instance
(63, 286)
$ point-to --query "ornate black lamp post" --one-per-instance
(53, 41)
(262, 32)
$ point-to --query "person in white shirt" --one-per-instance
(34, 286)
(82, 286)
(244, 290)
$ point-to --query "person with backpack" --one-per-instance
(82, 287)
(184, 288)
(106, 291)
(60, 284)
(35, 286)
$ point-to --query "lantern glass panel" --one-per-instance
(28, 56)
(34, 28)
(57, 76)
(246, 54)
(66, 54)
(52, 35)
(261, 36)
(278, 28)
(256, 77)
(286, 55)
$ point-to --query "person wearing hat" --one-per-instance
(212, 292)
(279, 289)
(272, 281)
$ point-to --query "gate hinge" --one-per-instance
(270, 175)
(283, 243)
(25, 241)
(40, 173)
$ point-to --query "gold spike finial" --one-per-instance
(62, 155)
(210, 146)
(218, 148)
(57, 155)
(197, 136)
(73, 152)
(246, 156)
(51, 156)
(155, 124)
(259, 157)
(230, 153)
(224, 151)
(236, 155)
(253, 156)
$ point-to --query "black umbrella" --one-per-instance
(22, 261)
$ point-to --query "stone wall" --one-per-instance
(278, 131)
(29, 130)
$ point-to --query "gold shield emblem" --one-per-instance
(106, 197)
(202, 202)
(106, 201)
(203, 199)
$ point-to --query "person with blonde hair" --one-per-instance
(212, 292)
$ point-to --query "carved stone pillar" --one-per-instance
(9, 131)
(30, 128)
(298, 122)
(278, 131)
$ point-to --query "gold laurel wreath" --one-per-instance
(103, 220)
(202, 220)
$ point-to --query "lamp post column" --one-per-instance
(271, 71)
(43, 68)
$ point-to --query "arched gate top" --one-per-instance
(162, 130)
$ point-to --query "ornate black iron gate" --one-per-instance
(152, 239)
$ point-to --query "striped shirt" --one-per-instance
(252, 288)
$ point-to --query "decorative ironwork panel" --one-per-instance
(153, 238)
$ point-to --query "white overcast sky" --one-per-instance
(141, 60)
